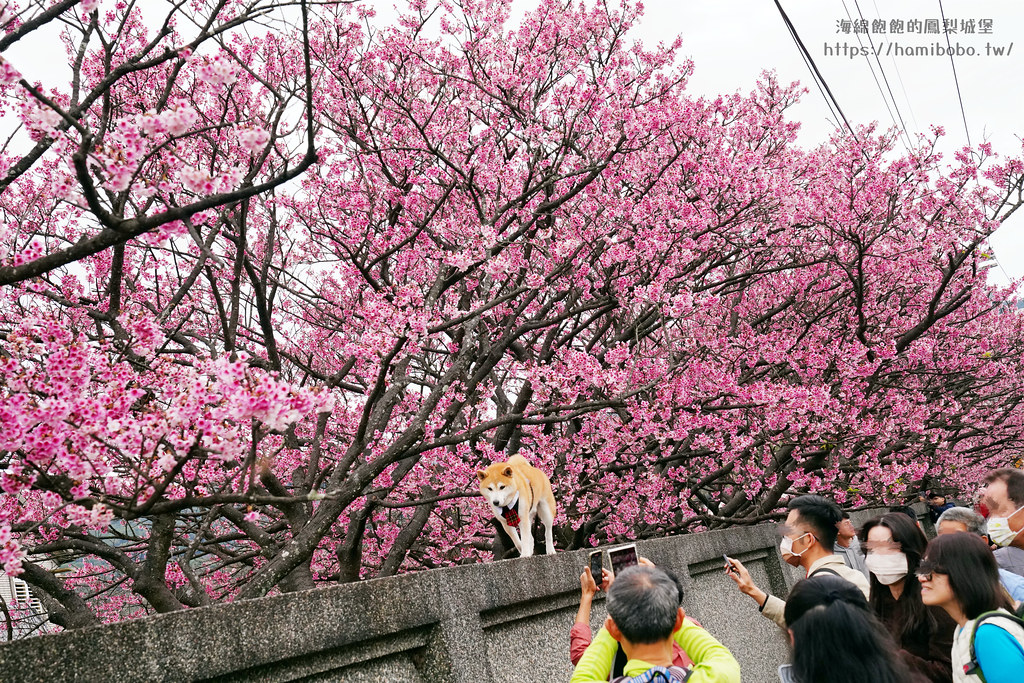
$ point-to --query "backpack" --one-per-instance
(659, 674)
(973, 667)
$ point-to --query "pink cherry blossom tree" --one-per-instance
(277, 281)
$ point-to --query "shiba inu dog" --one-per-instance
(518, 494)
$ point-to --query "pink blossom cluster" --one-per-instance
(201, 181)
(39, 119)
(176, 120)
(8, 14)
(221, 69)
(8, 74)
(87, 414)
(32, 251)
(11, 553)
(254, 139)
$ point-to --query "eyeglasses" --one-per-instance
(926, 569)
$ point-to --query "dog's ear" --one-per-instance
(480, 474)
(507, 472)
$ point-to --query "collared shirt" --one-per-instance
(852, 556)
(774, 608)
(1013, 583)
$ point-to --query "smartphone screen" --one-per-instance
(596, 562)
(622, 558)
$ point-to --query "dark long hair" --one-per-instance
(836, 639)
(972, 571)
(918, 623)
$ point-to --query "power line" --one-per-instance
(828, 102)
(955, 79)
(903, 87)
(874, 52)
(874, 76)
(814, 68)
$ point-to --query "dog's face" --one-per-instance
(497, 485)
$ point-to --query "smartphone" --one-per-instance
(728, 564)
(623, 557)
(596, 563)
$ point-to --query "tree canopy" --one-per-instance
(275, 281)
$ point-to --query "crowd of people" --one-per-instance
(881, 604)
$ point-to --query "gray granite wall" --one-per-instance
(506, 622)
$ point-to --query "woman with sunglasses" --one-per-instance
(960, 575)
(836, 639)
(894, 545)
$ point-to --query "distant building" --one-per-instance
(27, 616)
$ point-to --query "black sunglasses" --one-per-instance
(927, 568)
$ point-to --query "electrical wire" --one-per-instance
(814, 69)
(828, 102)
(871, 42)
(955, 79)
(899, 76)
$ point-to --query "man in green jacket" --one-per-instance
(645, 617)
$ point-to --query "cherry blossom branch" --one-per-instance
(36, 22)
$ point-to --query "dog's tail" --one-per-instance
(518, 460)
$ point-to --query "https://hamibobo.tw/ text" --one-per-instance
(930, 49)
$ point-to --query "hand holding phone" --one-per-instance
(729, 568)
(623, 557)
(596, 565)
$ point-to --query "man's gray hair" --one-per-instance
(643, 602)
(974, 522)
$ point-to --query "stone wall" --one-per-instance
(505, 622)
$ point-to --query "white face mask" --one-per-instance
(888, 568)
(999, 529)
(786, 545)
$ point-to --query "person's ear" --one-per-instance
(609, 624)
(789, 632)
(680, 615)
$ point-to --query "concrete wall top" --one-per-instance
(502, 621)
